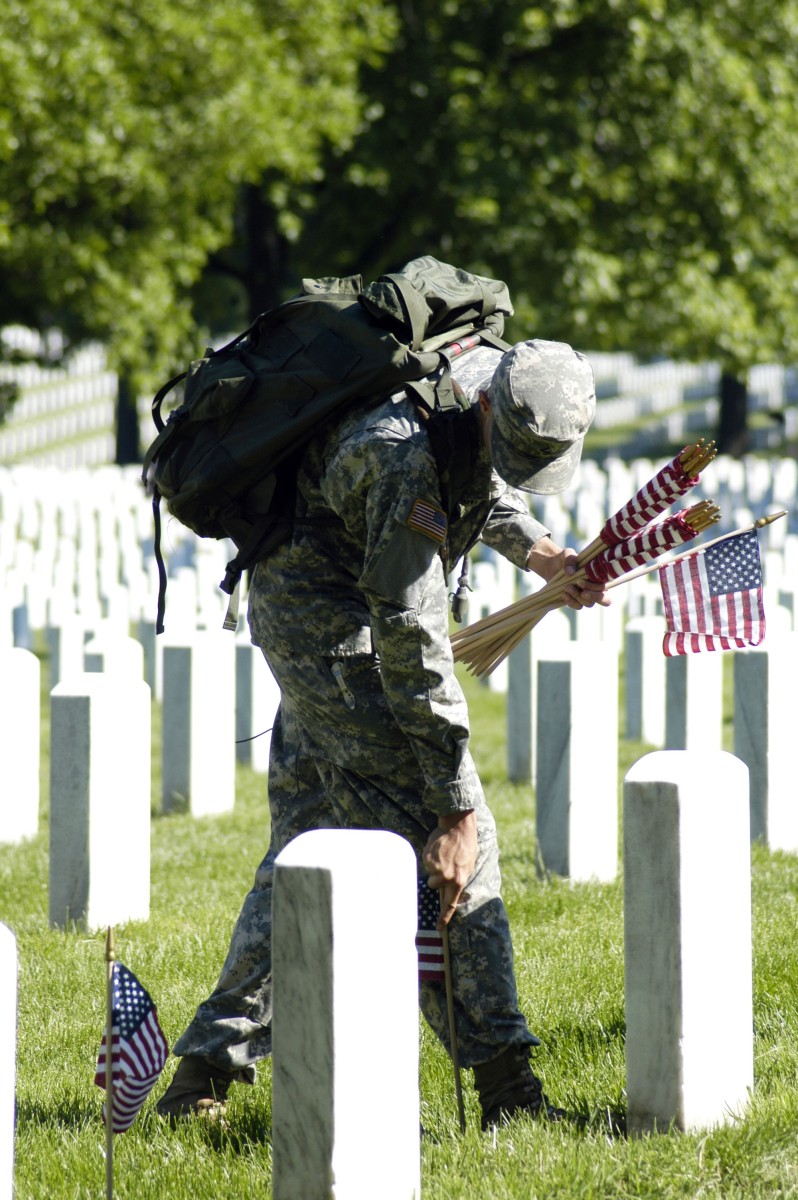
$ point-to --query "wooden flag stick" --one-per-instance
(110, 955)
(458, 1083)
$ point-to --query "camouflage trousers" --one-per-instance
(337, 767)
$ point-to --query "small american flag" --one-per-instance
(652, 499)
(138, 1048)
(636, 551)
(713, 597)
(429, 942)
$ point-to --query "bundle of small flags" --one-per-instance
(629, 540)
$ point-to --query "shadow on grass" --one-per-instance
(245, 1132)
(589, 1042)
(65, 1113)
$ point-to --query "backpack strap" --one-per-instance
(159, 398)
(156, 514)
(414, 307)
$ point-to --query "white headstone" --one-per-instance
(644, 671)
(199, 722)
(687, 906)
(257, 700)
(764, 726)
(576, 777)
(345, 972)
(694, 701)
(554, 630)
(8, 1057)
(20, 739)
(114, 653)
(152, 645)
(100, 801)
(66, 638)
(493, 588)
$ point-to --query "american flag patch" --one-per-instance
(428, 519)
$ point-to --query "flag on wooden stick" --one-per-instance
(673, 481)
(138, 1049)
(429, 942)
(713, 597)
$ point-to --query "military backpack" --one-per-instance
(225, 459)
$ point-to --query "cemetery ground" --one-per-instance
(569, 958)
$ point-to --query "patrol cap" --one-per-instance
(543, 400)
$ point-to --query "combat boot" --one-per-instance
(507, 1086)
(198, 1089)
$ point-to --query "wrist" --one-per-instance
(449, 821)
(544, 558)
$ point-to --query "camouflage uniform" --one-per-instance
(352, 616)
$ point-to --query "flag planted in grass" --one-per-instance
(713, 597)
(429, 942)
(138, 1049)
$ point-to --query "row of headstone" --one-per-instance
(100, 759)
(63, 414)
(563, 723)
(82, 543)
(687, 972)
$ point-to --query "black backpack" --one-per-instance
(226, 458)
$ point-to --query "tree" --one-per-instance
(628, 167)
(127, 131)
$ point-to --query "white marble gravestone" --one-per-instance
(694, 701)
(576, 776)
(199, 722)
(66, 639)
(553, 630)
(20, 740)
(687, 937)
(345, 1101)
(151, 644)
(644, 674)
(257, 700)
(100, 801)
(764, 726)
(114, 653)
(8, 1057)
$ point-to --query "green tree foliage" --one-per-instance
(126, 132)
(628, 166)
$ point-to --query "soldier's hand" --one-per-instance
(450, 856)
(547, 560)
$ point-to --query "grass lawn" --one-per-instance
(569, 957)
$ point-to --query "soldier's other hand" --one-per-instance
(582, 593)
(547, 560)
(450, 856)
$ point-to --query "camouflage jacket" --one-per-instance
(363, 574)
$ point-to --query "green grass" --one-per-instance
(569, 957)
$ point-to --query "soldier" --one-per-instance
(372, 732)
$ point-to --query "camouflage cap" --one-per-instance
(543, 400)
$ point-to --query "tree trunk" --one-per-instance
(264, 253)
(127, 424)
(733, 435)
